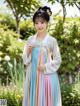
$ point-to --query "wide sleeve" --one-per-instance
(25, 57)
(54, 64)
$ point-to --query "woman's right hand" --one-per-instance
(29, 49)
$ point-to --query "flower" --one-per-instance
(49, 12)
(19, 40)
(7, 58)
(18, 96)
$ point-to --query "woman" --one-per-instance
(42, 59)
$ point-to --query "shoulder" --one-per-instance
(52, 39)
(30, 38)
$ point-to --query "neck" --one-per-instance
(41, 34)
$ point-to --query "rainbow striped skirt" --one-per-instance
(41, 89)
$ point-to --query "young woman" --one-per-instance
(42, 59)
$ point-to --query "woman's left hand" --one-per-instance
(41, 67)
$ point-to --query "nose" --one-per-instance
(39, 25)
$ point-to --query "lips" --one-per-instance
(40, 28)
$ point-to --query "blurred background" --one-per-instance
(16, 26)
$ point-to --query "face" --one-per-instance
(40, 25)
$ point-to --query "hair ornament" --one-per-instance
(43, 12)
(49, 12)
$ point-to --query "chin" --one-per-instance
(40, 30)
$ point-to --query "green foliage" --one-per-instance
(21, 9)
(63, 4)
(10, 47)
(7, 20)
(70, 95)
(13, 91)
(17, 73)
(12, 95)
(26, 28)
(68, 36)
(7, 45)
(58, 30)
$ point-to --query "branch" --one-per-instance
(11, 6)
(77, 6)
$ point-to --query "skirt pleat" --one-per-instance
(41, 89)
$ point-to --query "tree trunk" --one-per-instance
(17, 25)
(64, 12)
(64, 15)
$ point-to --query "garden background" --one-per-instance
(16, 26)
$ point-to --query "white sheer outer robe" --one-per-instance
(51, 43)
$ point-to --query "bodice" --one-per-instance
(40, 54)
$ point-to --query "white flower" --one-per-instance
(19, 40)
(7, 58)
(76, 41)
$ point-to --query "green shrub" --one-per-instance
(12, 95)
(68, 35)
(10, 47)
(70, 95)
(13, 91)
(17, 73)
(7, 19)
(26, 28)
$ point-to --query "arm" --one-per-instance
(54, 64)
(25, 56)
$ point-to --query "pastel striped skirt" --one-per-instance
(40, 89)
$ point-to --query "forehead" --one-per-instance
(40, 19)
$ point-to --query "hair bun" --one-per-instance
(47, 9)
(43, 12)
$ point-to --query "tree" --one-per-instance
(69, 44)
(21, 8)
(63, 4)
(74, 2)
(77, 5)
(66, 2)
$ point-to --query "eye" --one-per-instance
(42, 22)
(36, 22)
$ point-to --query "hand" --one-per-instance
(41, 67)
(29, 49)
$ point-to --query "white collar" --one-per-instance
(43, 39)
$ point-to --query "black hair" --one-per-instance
(43, 12)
